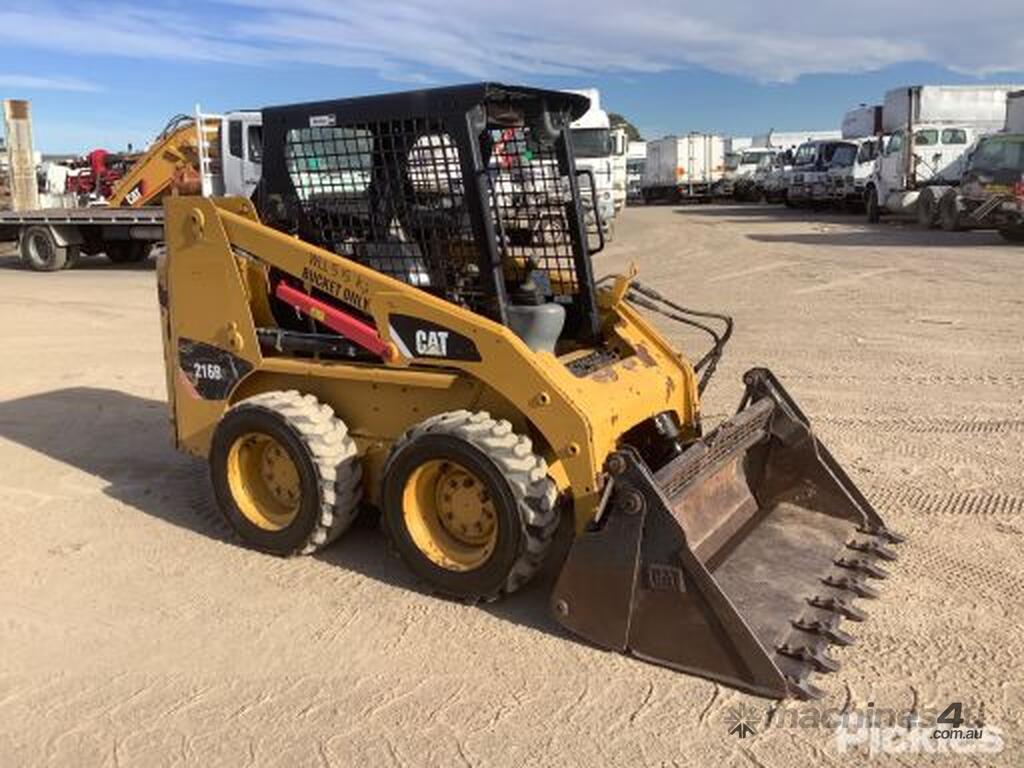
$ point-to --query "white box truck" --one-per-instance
(930, 127)
(862, 121)
(771, 178)
(683, 167)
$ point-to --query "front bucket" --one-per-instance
(737, 561)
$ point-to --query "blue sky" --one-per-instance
(108, 73)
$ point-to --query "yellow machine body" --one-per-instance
(214, 290)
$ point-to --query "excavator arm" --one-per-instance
(170, 163)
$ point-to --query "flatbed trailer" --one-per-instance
(50, 239)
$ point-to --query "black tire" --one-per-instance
(949, 212)
(516, 480)
(128, 251)
(40, 251)
(324, 455)
(1013, 233)
(872, 209)
(926, 209)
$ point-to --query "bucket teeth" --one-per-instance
(815, 657)
(864, 565)
(882, 533)
(875, 548)
(851, 584)
(837, 605)
(803, 690)
(827, 628)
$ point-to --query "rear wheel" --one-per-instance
(285, 472)
(40, 250)
(468, 505)
(949, 212)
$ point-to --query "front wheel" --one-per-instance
(872, 209)
(468, 505)
(926, 208)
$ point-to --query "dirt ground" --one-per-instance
(132, 634)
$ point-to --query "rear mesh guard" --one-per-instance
(738, 561)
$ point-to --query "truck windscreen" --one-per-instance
(591, 142)
(999, 154)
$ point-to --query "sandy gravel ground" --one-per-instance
(132, 634)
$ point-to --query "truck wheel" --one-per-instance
(609, 231)
(285, 472)
(949, 212)
(1013, 233)
(40, 250)
(128, 252)
(926, 209)
(872, 210)
(468, 505)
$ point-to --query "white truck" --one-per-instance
(734, 148)
(853, 164)
(751, 160)
(683, 167)
(930, 128)
(808, 178)
(636, 159)
(596, 150)
(771, 178)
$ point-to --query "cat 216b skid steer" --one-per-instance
(406, 317)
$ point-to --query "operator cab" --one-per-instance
(468, 192)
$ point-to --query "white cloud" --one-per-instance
(421, 40)
(46, 83)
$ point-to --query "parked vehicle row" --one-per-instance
(949, 156)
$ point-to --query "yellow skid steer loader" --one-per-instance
(407, 317)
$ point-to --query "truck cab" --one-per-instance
(636, 159)
(991, 192)
(931, 154)
(594, 149)
(241, 155)
(770, 180)
(748, 163)
(808, 179)
(619, 160)
(851, 167)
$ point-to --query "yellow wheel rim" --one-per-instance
(449, 515)
(264, 481)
